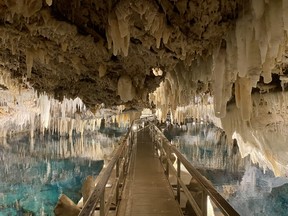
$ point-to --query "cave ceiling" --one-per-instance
(82, 48)
(221, 60)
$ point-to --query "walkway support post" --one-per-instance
(102, 204)
(200, 207)
(167, 169)
(119, 161)
(178, 177)
(117, 182)
(204, 203)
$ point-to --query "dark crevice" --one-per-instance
(87, 80)
(273, 86)
(135, 41)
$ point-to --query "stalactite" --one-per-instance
(250, 53)
(118, 31)
(125, 88)
(25, 111)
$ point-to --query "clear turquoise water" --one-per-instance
(33, 176)
(36, 191)
(255, 192)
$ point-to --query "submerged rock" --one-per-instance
(66, 207)
(87, 188)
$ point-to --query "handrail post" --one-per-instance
(204, 203)
(126, 153)
(168, 154)
(117, 168)
(167, 167)
(118, 183)
(199, 206)
(102, 204)
(97, 197)
(178, 182)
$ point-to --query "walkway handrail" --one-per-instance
(98, 194)
(167, 149)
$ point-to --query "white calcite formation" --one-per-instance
(22, 109)
(245, 60)
(118, 32)
(89, 45)
(256, 187)
(265, 136)
(207, 146)
(252, 50)
(157, 71)
(126, 90)
(119, 53)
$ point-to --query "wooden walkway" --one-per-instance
(147, 190)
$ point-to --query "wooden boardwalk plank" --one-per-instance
(147, 191)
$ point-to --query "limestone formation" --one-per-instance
(87, 188)
(72, 48)
(66, 207)
(222, 59)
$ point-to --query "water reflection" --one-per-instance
(250, 190)
(206, 146)
(260, 194)
(35, 172)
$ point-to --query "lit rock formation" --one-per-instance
(246, 75)
(22, 109)
(82, 48)
(228, 57)
(66, 206)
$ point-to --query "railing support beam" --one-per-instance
(120, 162)
(102, 204)
(178, 182)
(204, 203)
(117, 182)
(208, 190)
